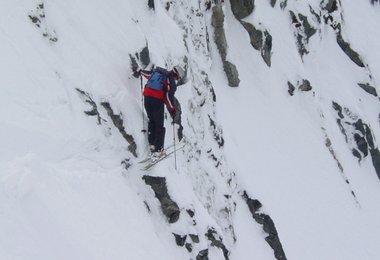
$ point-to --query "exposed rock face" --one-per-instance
(268, 226)
(368, 88)
(303, 85)
(303, 30)
(242, 8)
(216, 241)
(144, 56)
(118, 122)
(168, 206)
(345, 46)
(151, 4)
(217, 22)
(358, 136)
(94, 108)
(261, 41)
(38, 18)
(231, 73)
(331, 6)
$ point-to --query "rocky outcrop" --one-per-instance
(242, 8)
(38, 18)
(217, 242)
(168, 206)
(118, 122)
(303, 30)
(94, 108)
(358, 136)
(217, 22)
(346, 47)
(151, 4)
(143, 57)
(268, 226)
(368, 88)
(260, 40)
(273, 2)
(303, 85)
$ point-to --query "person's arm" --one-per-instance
(172, 88)
(169, 98)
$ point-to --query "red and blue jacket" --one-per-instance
(166, 94)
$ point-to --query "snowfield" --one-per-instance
(71, 186)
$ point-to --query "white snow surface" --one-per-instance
(64, 193)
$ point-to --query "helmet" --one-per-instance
(179, 71)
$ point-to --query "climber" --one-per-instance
(159, 91)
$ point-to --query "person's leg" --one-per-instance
(158, 121)
(149, 108)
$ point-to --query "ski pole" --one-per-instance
(142, 104)
(175, 150)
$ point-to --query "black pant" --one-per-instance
(156, 131)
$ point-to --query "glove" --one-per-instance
(136, 72)
(172, 113)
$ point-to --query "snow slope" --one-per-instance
(71, 186)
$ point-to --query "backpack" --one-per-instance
(157, 79)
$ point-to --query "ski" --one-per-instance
(166, 149)
(151, 164)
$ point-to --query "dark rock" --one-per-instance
(255, 35)
(316, 15)
(304, 33)
(202, 255)
(273, 2)
(35, 20)
(375, 155)
(272, 239)
(151, 4)
(218, 137)
(253, 204)
(356, 153)
(180, 240)
(190, 212)
(217, 21)
(94, 111)
(268, 226)
(118, 122)
(345, 46)
(168, 206)
(133, 62)
(189, 247)
(144, 56)
(216, 241)
(361, 143)
(242, 8)
(194, 238)
(308, 29)
(261, 41)
(283, 4)
(231, 73)
(126, 163)
(291, 88)
(338, 108)
(305, 85)
(369, 137)
(331, 6)
(368, 88)
(266, 51)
